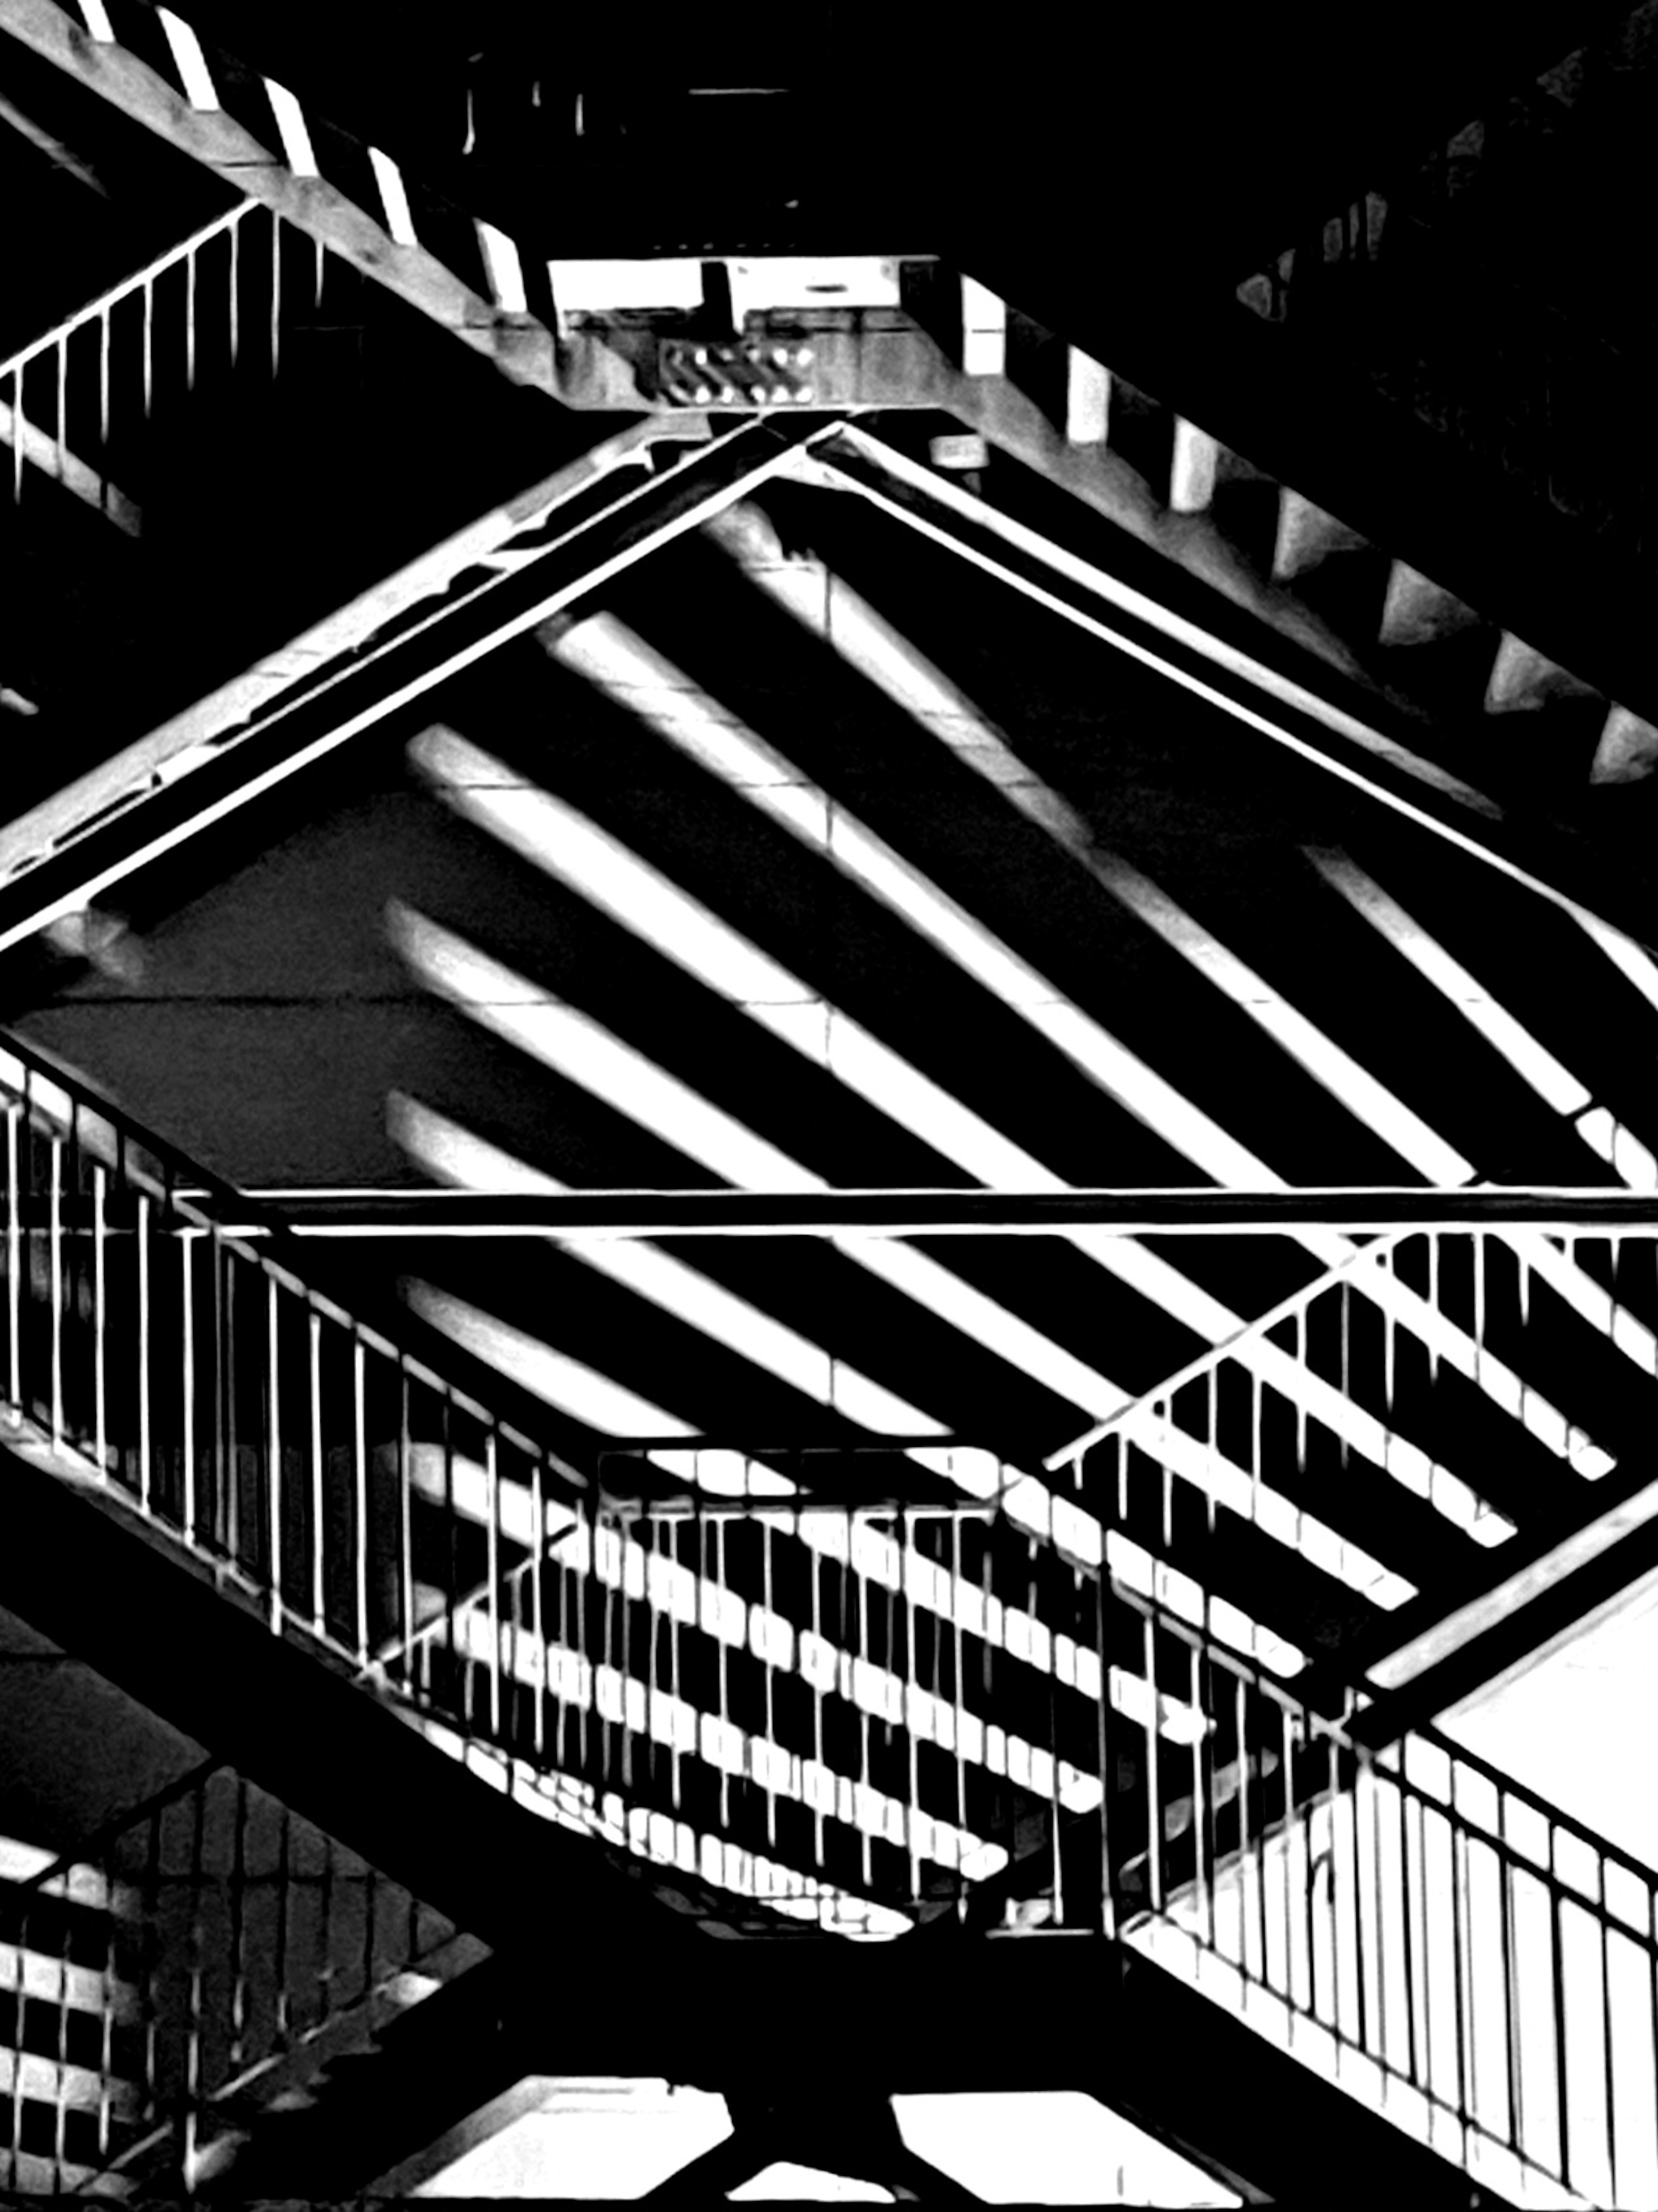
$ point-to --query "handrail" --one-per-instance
(127, 287)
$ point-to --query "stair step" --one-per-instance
(1193, 469)
(1522, 680)
(1307, 535)
(1417, 611)
(1628, 750)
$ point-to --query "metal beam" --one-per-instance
(420, 1213)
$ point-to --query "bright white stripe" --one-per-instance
(297, 149)
(545, 830)
(984, 330)
(1633, 1162)
(190, 62)
(1635, 966)
(58, 1981)
(98, 22)
(1552, 1082)
(549, 833)
(589, 1397)
(454, 1154)
(872, 646)
(473, 980)
(388, 179)
(1368, 1101)
(505, 275)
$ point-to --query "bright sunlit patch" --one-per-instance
(388, 181)
(1553, 1083)
(1050, 2147)
(297, 149)
(1633, 1162)
(190, 62)
(1370, 1101)
(452, 1153)
(580, 1391)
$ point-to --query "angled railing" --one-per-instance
(225, 1942)
(1416, 1925)
(74, 401)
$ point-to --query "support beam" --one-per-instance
(41, 451)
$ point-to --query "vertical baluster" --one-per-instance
(405, 1517)
(273, 1447)
(238, 1929)
(62, 351)
(104, 343)
(190, 320)
(538, 1572)
(607, 1630)
(1287, 1757)
(586, 1678)
(1255, 1390)
(276, 292)
(1153, 1768)
(817, 1706)
(282, 2001)
(197, 1982)
(957, 1686)
(236, 289)
(723, 1649)
(1300, 1400)
(768, 1601)
(187, 1300)
(1433, 1302)
(14, 1259)
(1511, 1975)
(318, 1524)
(1202, 1758)
(1478, 1303)
(55, 1250)
(1332, 1801)
(1361, 2003)
(143, 1231)
(1165, 1417)
(1420, 2076)
(65, 1943)
(1559, 1977)
(107, 2009)
(1615, 2196)
(19, 433)
(360, 1474)
(101, 1410)
(1389, 1329)
(1346, 1299)
(150, 345)
(492, 1538)
(322, 257)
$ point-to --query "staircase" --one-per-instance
(852, 1716)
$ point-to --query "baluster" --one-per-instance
(492, 1538)
(1615, 2195)
(282, 2004)
(360, 1476)
(274, 1451)
(768, 1601)
(55, 1250)
(62, 351)
(957, 1688)
(1153, 1767)
(405, 1520)
(235, 287)
(275, 293)
(190, 320)
(1433, 1301)
(150, 345)
(238, 1929)
(19, 433)
(538, 1572)
(1558, 1992)
(1201, 1758)
(15, 1259)
(143, 1217)
(187, 1296)
(319, 1522)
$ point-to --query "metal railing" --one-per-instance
(169, 1968)
(1414, 1923)
(76, 403)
